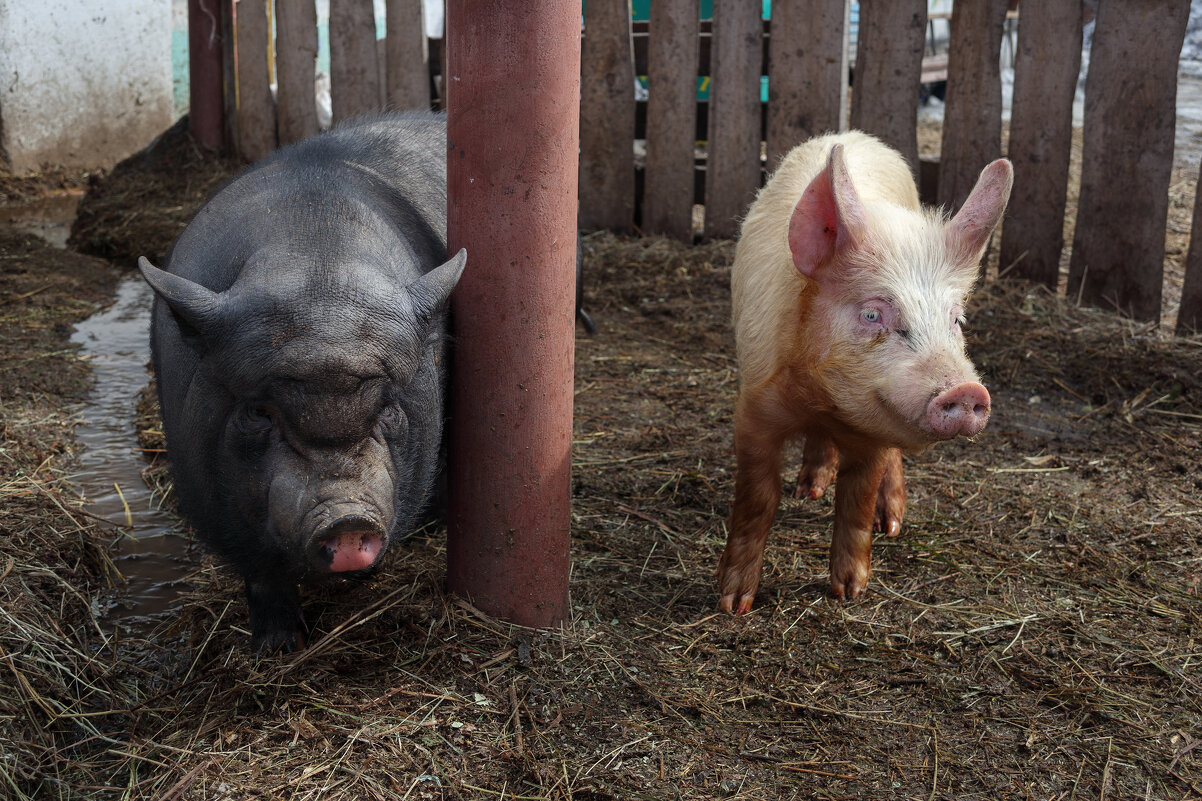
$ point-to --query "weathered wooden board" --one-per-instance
(354, 68)
(1041, 130)
(607, 117)
(255, 119)
(888, 72)
(406, 55)
(1189, 317)
(807, 73)
(671, 110)
(296, 70)
(972, 121)
(732, 168)
(1127, 155)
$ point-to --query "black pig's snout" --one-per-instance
(349, 544)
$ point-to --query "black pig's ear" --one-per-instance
(198, 306)
(430, 292)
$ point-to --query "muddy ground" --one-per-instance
(1034, 632)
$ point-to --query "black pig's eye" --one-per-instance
(255, 418)
(391, 418)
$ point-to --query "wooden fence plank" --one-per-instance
(671, 116)
(807, 72)
(888, 72)
(255, 118)
(406, 55)
(972, 121)
(1041, 131)
(732, 169)
(1127, 155)
(607, 117)
(354, 68)
(296, 69)
(1189, 316)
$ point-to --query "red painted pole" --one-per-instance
(206, 113)
(513, 137)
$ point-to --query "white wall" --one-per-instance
(82, 82)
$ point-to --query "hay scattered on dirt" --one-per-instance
(146, 200)
(1032, 633)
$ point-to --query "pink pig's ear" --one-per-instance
(968, 232)
(828, 219)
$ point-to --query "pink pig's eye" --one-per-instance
(870, 315)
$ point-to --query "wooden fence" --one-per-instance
(644, 164)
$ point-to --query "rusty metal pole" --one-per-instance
(513, 132)
(206, 112)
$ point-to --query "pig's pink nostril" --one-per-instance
(348, 546)
(960, 411)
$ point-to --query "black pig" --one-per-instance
(299, 342)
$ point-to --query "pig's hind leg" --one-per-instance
(855, 511)
(891, 496)
(759, 458)
(819, 465)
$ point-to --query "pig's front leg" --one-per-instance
(891, 497)
(276, 622)
(820, 464)
(759, 446)
(855, 509)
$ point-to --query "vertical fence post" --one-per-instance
(1041, 136)
(354, 63)
(406, 55)
(972, 128)
(254, 122)
(1189, 316)
(672, 55)
(1127, 155)
(888, 71)
(607, 109)
(206, 113)
(513, 90)
(807, 72)
(296, 65)
(732, 167)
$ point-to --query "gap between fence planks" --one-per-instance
(607, 108)
(671, 118)
(1127, 156)
(1041, 133)
(888, 73)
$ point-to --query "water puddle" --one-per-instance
(154, 557)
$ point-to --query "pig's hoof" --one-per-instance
(886, 521)
(279, 642)
(736, 603)
(276, 623)
(737, 587)
(848, 580)
(814, 480)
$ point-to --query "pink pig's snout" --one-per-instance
(962, 410)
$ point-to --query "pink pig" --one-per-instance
(848, 302)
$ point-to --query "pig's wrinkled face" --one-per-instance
(314, 457)
(892, 313)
